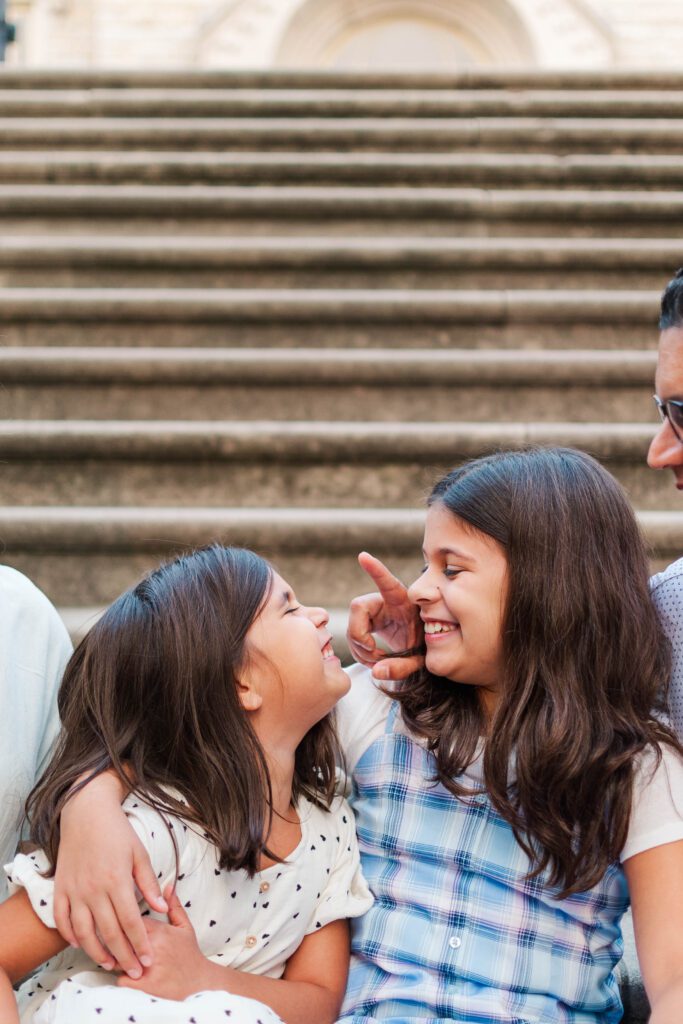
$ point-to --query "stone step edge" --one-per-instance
(333, 99)
(373, 162)
(305, 367)
(494, 78)
(329, 305)
(336, 531)
(345, 252)
(298, 202)
(304, 441)
(439, 127)
(501, 169)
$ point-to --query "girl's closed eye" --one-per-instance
(451, 572)
(295, 672)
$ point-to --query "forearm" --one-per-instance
(8, 1004)
(667, 1005)
(296, 1002)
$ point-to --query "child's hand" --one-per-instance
(392, 616)
(179, 968)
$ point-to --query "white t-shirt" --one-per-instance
(657, 812)
(34, 648)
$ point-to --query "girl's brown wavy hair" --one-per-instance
(151, 693)
(586, 662)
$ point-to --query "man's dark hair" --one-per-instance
(672, 303)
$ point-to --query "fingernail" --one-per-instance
(107, 965)
(163, 905)
(146, 961)
(134, 973)
(380, 672)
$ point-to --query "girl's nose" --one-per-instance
(665, 449)
(318, 616)
(423, 589)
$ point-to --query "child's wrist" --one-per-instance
(213, 977)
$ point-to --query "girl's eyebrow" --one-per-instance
(285, 597)
(452, 551)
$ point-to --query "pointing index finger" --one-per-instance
(388, 585)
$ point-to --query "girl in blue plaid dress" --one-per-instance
(520, 787)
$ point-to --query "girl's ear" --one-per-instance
(250, 697)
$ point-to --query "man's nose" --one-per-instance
(665, 449)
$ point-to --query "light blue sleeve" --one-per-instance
(667, 594)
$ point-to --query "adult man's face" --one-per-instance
(666, 451)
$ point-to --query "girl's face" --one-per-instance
(298, 675)
(461, 595)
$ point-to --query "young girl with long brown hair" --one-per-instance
(205, 691)
(521, 787)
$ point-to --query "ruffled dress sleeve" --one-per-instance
(346, 893)
(27, 872)
(163, 837)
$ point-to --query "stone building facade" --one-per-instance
(439, 35)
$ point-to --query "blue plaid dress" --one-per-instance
(457, 933)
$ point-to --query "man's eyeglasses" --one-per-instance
(673, 412)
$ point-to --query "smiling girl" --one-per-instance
(209, 685)
(520, 788)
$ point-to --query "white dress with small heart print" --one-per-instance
(249, 924)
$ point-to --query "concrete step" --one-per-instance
(326, 317)
(87, 556)
(370, 384)
(341, 102)
(279, 262)
(500, 170)
(332, 211)
(346, 134)
(290, 78)
(298, 462)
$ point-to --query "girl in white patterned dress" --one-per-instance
(209, 686)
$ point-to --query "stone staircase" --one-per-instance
(271, 308)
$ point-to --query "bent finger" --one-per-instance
(112, 934)
(62, 912)
(83, 926)
(177, 915)
(148, 886)
(126, 934)
(396, 669)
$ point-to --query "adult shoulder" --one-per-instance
(32, 633)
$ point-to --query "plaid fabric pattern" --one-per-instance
(457, 933)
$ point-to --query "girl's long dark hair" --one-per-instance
(151, 693)
(586, 662)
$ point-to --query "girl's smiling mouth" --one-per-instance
(328, 652)
(435, 629)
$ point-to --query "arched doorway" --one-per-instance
(405, 35)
